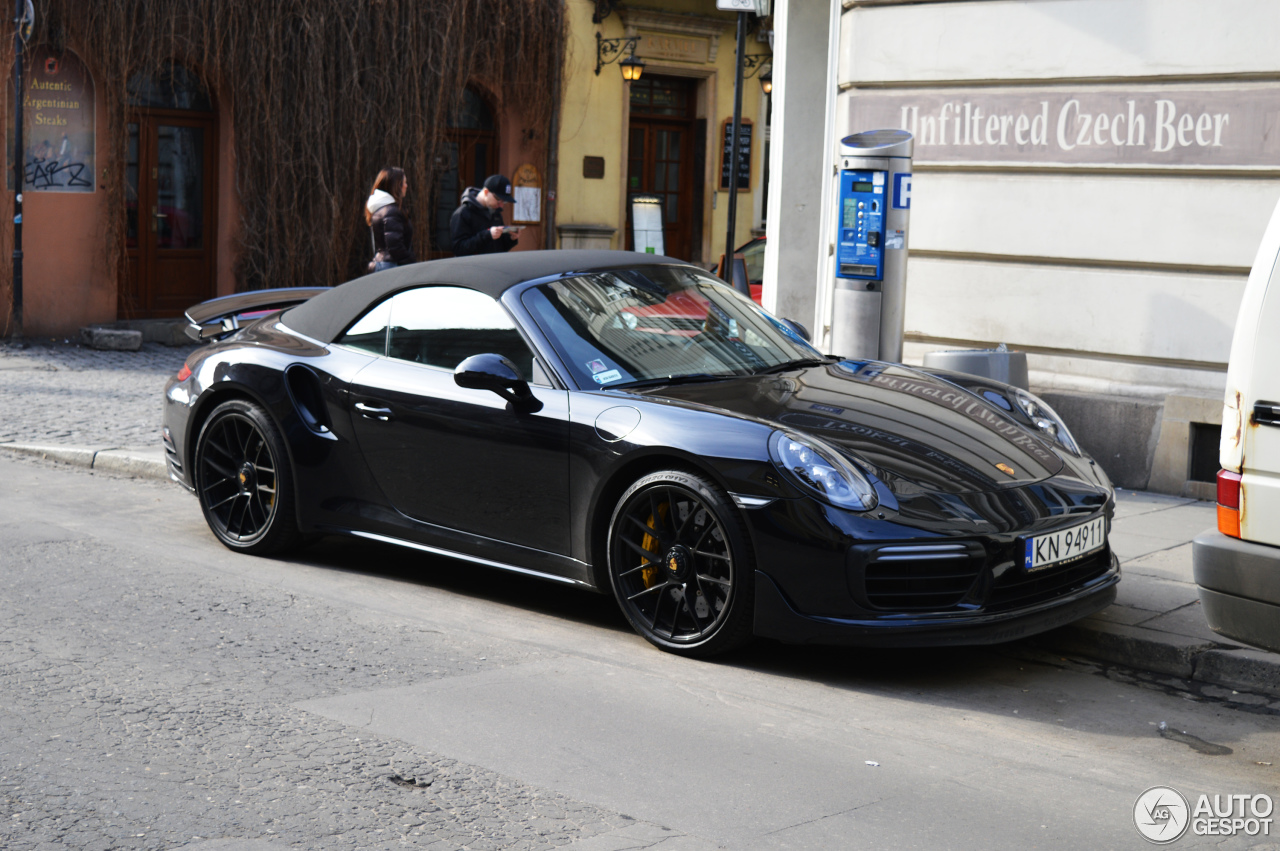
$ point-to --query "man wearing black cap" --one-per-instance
(476, 226)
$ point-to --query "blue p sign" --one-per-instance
(902, 191)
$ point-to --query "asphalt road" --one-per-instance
(158, 691)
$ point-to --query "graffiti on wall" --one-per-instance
(58, 130)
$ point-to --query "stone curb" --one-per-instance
(1143, 649)
(1249, 670)
(131, 462)
(144, 463)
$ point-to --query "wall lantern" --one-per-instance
(609, 50)
(632, 68)
(766, 81)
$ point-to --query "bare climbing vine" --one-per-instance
(321, 94)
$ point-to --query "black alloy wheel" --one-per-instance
(243, 482)
(681, 565)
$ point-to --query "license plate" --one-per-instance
(1065, 545)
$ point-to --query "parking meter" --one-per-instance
(874, 198)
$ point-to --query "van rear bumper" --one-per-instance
(1239, 587)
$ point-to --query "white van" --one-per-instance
(1238, 566)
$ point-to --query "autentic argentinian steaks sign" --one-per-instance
(1149, 126)
(59, 140)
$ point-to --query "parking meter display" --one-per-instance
(860, 246)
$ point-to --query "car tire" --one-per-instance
(243, 480)
(681, 565)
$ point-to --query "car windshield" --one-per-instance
(659, 322)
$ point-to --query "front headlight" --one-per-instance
(821, 470)
(1046, 419)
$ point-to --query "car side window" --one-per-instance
(369, 333)
(443, 326)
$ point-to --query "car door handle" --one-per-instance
(1266, 413)
(371, 413)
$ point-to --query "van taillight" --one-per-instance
(1229, 503)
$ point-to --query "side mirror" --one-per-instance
(798, 328)
(497, 374)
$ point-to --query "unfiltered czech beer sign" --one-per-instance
(58, 123)
(1194, 125)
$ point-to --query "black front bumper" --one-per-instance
(776, 617)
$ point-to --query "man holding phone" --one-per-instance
(476, 226)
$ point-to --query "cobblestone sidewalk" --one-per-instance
(62, 393)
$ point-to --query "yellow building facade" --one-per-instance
(663, 137)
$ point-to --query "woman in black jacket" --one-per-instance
(392, 233)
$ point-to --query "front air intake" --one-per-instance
(915, 577)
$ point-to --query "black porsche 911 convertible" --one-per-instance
(630, 424)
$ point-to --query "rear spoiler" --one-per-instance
(220, 317)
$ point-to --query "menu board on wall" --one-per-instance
(526, 188)
(743, 160)
(646, 224)
(58, 124)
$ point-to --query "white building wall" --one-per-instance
(1118, 267)
(891, 41)
(802, 93)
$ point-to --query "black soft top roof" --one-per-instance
(324, 317)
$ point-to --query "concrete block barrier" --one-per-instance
(111, 339)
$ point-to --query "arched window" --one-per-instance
(173, 88)
(471, 154)
(473, 114)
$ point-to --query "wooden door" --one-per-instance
(660, 159)
(468, 156)
(171, 213)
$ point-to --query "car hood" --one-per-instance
(915, 431)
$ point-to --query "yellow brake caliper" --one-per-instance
(650, 574)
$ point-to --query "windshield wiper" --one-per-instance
(793, 364)
(688, 378)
